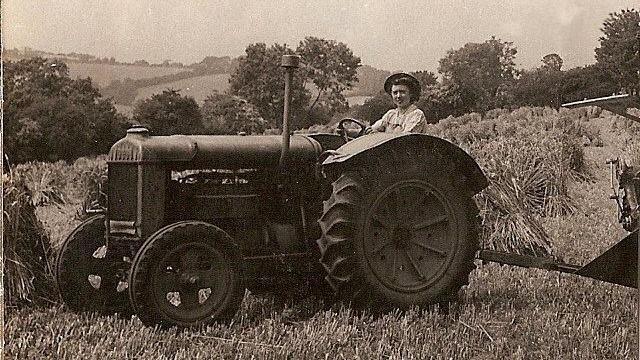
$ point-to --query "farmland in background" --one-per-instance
(198, 87)
(103, 74)
(505, 312)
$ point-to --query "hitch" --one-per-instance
(618, 265)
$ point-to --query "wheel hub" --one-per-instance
(401, 237)
(190, 280)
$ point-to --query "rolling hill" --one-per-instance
(127, 83)
(198, 87)
(103, 74)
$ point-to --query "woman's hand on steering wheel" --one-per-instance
(345, 132)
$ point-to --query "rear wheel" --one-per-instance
(186, 274)
(403, 238)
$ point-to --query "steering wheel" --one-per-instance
(345, 132)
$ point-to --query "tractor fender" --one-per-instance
(359, 151)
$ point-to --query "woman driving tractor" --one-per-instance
(406, 117)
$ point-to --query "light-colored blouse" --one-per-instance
(395, 121)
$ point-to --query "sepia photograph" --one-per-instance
(235, 179)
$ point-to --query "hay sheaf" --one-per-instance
(62, 183)
(29, 255)
(529, 156)
(28, 264)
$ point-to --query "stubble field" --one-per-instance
(505, 312)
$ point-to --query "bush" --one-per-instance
(169, 113)
(49, 116)
(227, 114)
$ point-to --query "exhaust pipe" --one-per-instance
(289, 63)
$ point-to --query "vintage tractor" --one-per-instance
(385, 220)
(192, 221)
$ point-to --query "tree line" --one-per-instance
(49, 116)
(482, 76)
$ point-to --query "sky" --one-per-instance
(407, 35)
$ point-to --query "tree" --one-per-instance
(169, 113)
(329, 65)
(49, 116)
(332, 68)
(481, 71)
(552, 62)
(586, 82)
(227, 114)
(538, 87)
(441, 100)
(619, 50)
(426, 78)
(259, 79)
(373, 108)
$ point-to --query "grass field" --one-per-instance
(198, 87)
(103, 74)
(505, 312)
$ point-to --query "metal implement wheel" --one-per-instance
(90, 276)
(401, 237)
(186, 274)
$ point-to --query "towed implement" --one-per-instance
(385, 220)
(619, 264)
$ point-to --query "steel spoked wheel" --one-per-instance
(90, 276)
(398, 239)
(411, 236)
(187, 274)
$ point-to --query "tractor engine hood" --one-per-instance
(222, 151)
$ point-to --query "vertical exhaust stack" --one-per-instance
(289, 63)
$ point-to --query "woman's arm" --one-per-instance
(381, 125)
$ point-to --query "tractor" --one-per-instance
(384, 220)
(193, 220)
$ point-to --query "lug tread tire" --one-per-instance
(342, 221)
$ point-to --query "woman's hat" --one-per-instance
(412, 82)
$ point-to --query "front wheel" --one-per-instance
(90, 275)
(186, 274)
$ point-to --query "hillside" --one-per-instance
(198, 87)
(101, 71)
(127, 83)
(103, 74)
